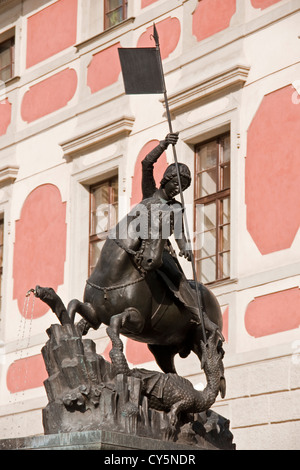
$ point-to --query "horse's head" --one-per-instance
(147, 227)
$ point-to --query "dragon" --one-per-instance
(170, 392)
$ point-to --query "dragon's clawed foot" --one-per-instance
(171, 430)
(170, 433)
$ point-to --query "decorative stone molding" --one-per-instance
(235, 76)
(117, 128)
(8, 175)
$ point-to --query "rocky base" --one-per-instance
(85, 394)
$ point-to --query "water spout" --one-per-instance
(30, 291)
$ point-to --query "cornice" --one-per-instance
(8, 175)
(234, 76)
(118, 128)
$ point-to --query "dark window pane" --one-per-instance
(114, 17)
(207, 182)
(103, 215)
(209, 244)
(115, 12)
(225, 263)
(212, 209)
(5, 74)
(225, 211)
(225, 238)
(208, 156)
(225, 184)
(207, 269)
(226, 149)
(112, 4)
(7, 60)
(5, 57)
(95, 250)
(206, 215)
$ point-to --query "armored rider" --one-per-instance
(170, 270)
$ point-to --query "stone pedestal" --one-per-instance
(97, 440)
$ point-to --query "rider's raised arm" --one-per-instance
(148, 181)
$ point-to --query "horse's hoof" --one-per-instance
(83, 327)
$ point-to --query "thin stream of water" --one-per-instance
(22, 346)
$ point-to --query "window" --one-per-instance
(103, 215)
(7, 59)
(212, 209)
(115, 12)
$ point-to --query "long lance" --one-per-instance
(200, 306)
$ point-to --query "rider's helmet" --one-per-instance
(171, 173)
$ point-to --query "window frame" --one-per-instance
(107, 11)
(96, 237)
(11, 65)
(218, 197)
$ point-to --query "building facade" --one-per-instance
(71, 145)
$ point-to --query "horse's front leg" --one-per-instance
(87, 311)
(131, 318)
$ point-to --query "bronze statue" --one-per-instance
(87, 393)
(138, 287)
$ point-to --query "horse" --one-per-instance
(128, 292)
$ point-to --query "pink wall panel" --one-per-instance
(262, 4)
(225, 323)
(212, 16)
(137, 353)
(49, 95)
(273, 313)
(25, 374)
(159, 169)
(104, 69)
(145, 3)
(51, 30)
(169, 31)
(5, 116)
(272, 172)
(40, 246)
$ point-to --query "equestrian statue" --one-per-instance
(138, 287)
